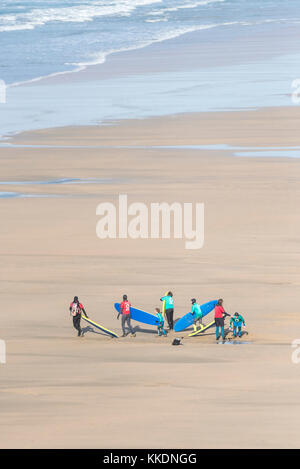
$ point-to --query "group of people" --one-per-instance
(168, 309)
(236, 322)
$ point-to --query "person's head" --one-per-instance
(157, 310)
(170, 293)
(220, 302)
(75, 299)
(193, 300)
(124, 297)
(236, 315)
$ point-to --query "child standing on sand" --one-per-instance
(237, 321)
(196, 312)
(160, 326)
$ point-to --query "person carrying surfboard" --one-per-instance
(125, 311)
(169, 308)
(237, 321)
(160, 325)
(196, 312)
(76, 309)
(220, 314)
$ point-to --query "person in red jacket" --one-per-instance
(220, 314)
(125, 311)
(76, 309)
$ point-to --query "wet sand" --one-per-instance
(58, 390)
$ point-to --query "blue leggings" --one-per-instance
(160, 330)
(222, 332)
(235, 327)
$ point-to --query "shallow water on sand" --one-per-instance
(58, 181)
(235, 342)
(19, 195)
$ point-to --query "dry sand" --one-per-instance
(57, 390)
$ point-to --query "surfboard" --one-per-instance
(140, 316)
(164, 305)
(188, 319)
(103, 329)
(202, 329)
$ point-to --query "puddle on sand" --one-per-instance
(19, 195)
(286, 153)
(234, 342)
(59, 181)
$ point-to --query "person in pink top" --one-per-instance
(220, 314)
(125, 311)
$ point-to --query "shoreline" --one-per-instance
(193, 73)
(214, 133)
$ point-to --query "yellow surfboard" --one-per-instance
(103, 329)
(164, 305)
(202, 329)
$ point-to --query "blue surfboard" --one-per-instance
(188, 319)
(140, 316)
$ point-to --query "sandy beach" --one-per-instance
(165, 101)
(57, 390)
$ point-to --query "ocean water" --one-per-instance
(41, 38)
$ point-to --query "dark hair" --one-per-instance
(236, 314)
(193, 300)
(124, 297)
(157, 310)
(220, 301)
(75, 299)
(170, 293)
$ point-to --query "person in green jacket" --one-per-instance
(196, 312)
(237, 321)
(160, 326)
(169, 308)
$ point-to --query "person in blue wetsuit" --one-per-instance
(169, 308)
(196, 312)
(237, 321)
(160, 326)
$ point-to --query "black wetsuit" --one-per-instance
(170, 313)
(76, 323)
(77, 317)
